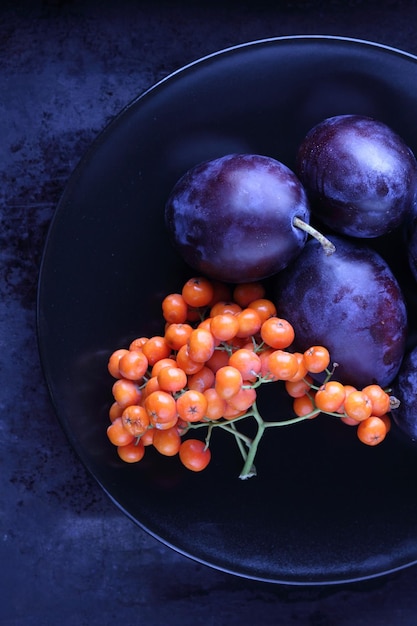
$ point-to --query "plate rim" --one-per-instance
(60, 206)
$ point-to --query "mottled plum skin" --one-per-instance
(405, 390)
(360, 176)
(231, 218)
(349, 302)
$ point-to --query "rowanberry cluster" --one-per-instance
(220, 344)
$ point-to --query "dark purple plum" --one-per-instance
(232, 218)
(360, 176)
(349, 302)
(405, 390)
(412, 247)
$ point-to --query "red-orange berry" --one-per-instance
(192, 405)
(245, 293)
(282, 365)
(228, 381)
(316, 359)
(358, 406)
(194, 455)
(197, 292)
(330, 396)
(174, 308)
(200, 345)
(372, 430)
(277, 333)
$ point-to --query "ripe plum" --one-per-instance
(412, 247)
(232, 218)
(405, 390)
(349, 302)
(360, 176)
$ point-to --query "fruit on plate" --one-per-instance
(206, 371)
(232, 218)
(405, 390)
(349, 302)
(360, 176)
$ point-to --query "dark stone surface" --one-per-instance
(67, 554)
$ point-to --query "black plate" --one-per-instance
(324, 508)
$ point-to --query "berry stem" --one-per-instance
(247, 470)
(325, 243)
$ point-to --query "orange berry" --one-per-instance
(177, 335)
(138, 343)
(185, 362)
(135, 419)
(304, 406)
(372, 430)
(114, 360)
(132, 452)
(174, 308)
(126, 392)
(224, 326)
(358, 406)
(202, 380)
(348, 391)
(316, 359)
(302, 371)
(115, 411)
(228, 381)
(243, 399)
(150, 386)
(330, 396)
(265, 308)
(218, 359)
(224, 306)
(379, 398)
(171, 361)
(147, 437)
(298, 388)
(156, 348)
(247, 362)
(117, 433)
(192, 405)
(245, 293)
(249, 322)
(221, 292)
(282, 365)
(161, 408)
(264, 356)
(197, 292)
(133, 365)
(200, 345)
(172, 378)
(216, 406)
(277, 333)
(194, 454)
(231, 413)
(167, 442)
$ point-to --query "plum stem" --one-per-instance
(325, 243)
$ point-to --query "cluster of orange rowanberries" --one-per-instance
(219, 344)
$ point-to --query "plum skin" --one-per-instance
(231, 218)
(405, 390)
(412, 247)
(351, 303)
(359, 174)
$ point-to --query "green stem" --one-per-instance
(231, 428)
(294, 420)
(252, 470)
(248, 467)
(325, 243)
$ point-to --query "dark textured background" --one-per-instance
(67, 555)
